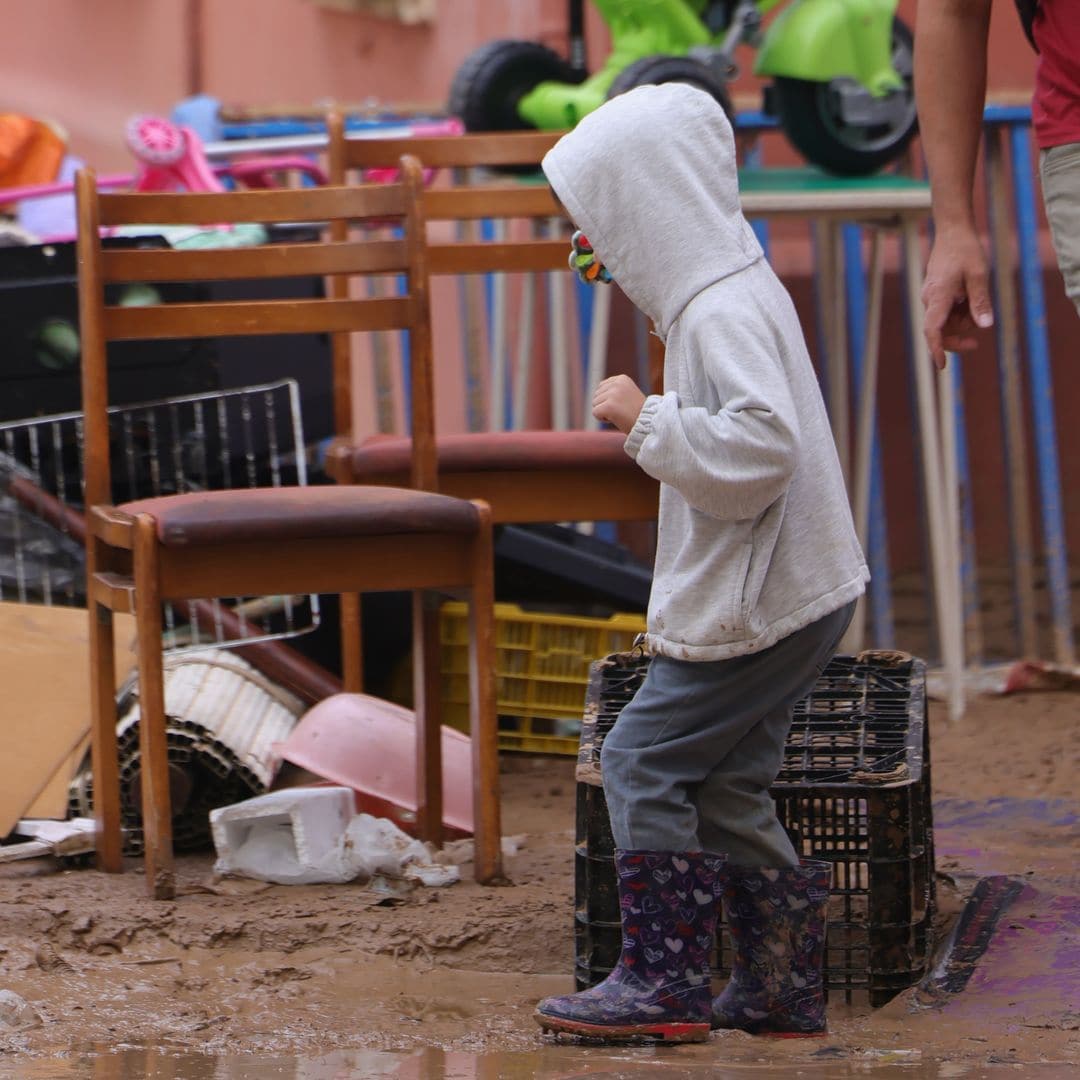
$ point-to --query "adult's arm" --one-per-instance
(950, 91)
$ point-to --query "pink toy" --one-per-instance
(450, 126)
(172, 157)
(260, 172)
(59, 187)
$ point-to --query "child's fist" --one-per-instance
(618, 401)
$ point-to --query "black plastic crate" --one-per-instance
(854, 789)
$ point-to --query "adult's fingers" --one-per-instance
(938, 307)
(979, 304)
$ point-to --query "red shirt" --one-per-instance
(1055, 108)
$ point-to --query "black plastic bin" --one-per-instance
(854, 789)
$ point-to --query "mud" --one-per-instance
(548, 1063)
(443, 982)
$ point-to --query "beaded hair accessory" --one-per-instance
(584, 263)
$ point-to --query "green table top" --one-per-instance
(807, 191)
(814, 180)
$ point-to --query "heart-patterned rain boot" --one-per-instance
(660, 986)
(776, 918)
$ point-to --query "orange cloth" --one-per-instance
(31, 151)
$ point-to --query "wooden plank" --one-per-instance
(280, 205)
(452, 151)
(335, 565)
(483, 718)
(270, 260)
(153, 744)
(97, 486)
(427, 699)
(239, 318)
(480, 257)
(489, 201)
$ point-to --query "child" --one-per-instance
(757, 572)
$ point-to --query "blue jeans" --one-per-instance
(688, 764)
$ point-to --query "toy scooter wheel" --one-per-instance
(654, 70)
(492, 80)
(155, 140)
(811, 114)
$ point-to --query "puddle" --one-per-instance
(549, 1063)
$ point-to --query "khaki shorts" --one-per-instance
(1060, 170)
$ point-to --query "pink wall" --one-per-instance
(92, 64)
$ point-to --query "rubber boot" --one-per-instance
(660, 987)
(776, 918)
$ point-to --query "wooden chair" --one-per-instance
(525, 476)
(270, 540)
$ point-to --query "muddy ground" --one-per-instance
(236, 966)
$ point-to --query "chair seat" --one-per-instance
(494, 451)
(302, 513)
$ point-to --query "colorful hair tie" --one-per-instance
(584, 263)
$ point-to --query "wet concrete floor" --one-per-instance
(554, 1062)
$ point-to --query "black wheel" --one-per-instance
(492, 80)
(654, 70)
(812, 115)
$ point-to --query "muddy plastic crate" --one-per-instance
(542, 665)
(854, 789)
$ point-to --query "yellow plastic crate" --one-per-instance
(541, 670)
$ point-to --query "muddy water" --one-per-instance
(558, 1062)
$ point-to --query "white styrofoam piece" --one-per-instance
(291, 837)
(57, 833)
(300, 836)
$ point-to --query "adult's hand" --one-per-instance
(950, 88)
(956, 293)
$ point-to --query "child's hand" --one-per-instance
(618, 402)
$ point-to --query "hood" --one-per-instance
(650, 178)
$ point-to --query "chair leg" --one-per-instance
(153, 748)
(352, 645)
(483, 719)
(103, 748)
(427, 701)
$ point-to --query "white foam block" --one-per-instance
(291, 837)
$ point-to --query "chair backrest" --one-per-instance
(344, 256)
(496, 149)
(468, 201)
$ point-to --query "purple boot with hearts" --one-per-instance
(660, 986)
(776, 919)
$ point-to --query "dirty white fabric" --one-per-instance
(755, 535)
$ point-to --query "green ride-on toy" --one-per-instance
(841, 71)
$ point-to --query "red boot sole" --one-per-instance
(681, 1033)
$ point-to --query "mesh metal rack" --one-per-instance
(854, 789)
(245, 437)
(220, 711)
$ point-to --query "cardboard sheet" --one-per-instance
(45, 701)
(52, 801)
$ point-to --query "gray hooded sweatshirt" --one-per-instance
(755, 537)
